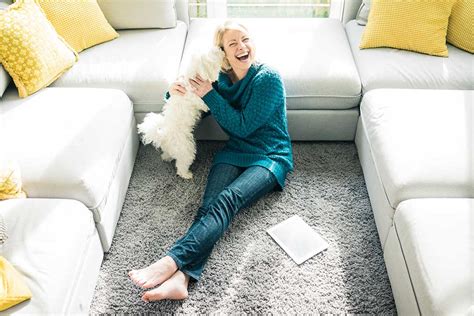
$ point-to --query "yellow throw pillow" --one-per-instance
(13, 289)
(30, 49)
(461, 25)
(80, 22)
(415, 25)
(10, 180)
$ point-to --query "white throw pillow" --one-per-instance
(363, 13)
(4, 77)
(139, 14)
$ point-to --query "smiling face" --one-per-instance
(239, 50)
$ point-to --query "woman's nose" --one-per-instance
(242, 45)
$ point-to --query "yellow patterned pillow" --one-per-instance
(415, 25)
(30, 49)
(80, 22)
(461, 25)
(10, 180)
(13, 289)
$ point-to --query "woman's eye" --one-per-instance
(232, 44)
(246, 40)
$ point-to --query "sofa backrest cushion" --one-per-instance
(35, 54)
(139, 14)
(392, 68)
(4, 77)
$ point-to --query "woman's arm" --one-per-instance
(266, 95)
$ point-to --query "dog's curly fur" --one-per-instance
(172, 129)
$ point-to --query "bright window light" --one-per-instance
(260, 8)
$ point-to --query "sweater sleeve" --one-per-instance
(266, 95)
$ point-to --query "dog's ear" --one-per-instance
(216, 54)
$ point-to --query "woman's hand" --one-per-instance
(177, 88)
(200, 86)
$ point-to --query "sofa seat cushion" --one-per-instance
(142, 63)
(50, 243)
(392, 68)
(315, 60)
(67, 141)
(436, 237)
(421, 142)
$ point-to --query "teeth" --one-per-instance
(245, 54)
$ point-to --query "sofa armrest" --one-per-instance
(182, 11)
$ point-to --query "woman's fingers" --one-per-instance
(199, 79)
(200, 87)
(177, 88)
(181, 89)
(194, 83)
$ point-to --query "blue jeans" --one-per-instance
(229, 189)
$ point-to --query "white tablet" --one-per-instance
(298, 239)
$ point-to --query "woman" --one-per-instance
(248, 102)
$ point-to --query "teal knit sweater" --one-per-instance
(252, 112)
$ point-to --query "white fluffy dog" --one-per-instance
(172, 129)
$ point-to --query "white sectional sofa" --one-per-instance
(416, 149)
(55, 245)
(76, 143)
(415, 139)
(76, 148)
(429, 250)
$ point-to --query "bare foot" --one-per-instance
(155, 273)
(175, 288)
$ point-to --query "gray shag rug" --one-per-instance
(247, 271)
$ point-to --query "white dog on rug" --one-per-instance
(172, 129)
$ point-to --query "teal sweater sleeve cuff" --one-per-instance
(166, 96)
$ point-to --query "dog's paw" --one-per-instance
(166, 157)
(186, 175)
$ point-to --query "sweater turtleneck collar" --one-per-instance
(233, 92)
(226, 80)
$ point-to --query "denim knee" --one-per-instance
(226, 206)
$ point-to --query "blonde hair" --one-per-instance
(219, 35)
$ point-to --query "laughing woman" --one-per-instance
(248, 102)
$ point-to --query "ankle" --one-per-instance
(171, 263)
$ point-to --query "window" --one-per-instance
(198, 8)
(260, 8)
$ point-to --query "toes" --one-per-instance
(153, 295)
(148, 285)
(136, 279)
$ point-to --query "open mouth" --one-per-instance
(243, 57)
